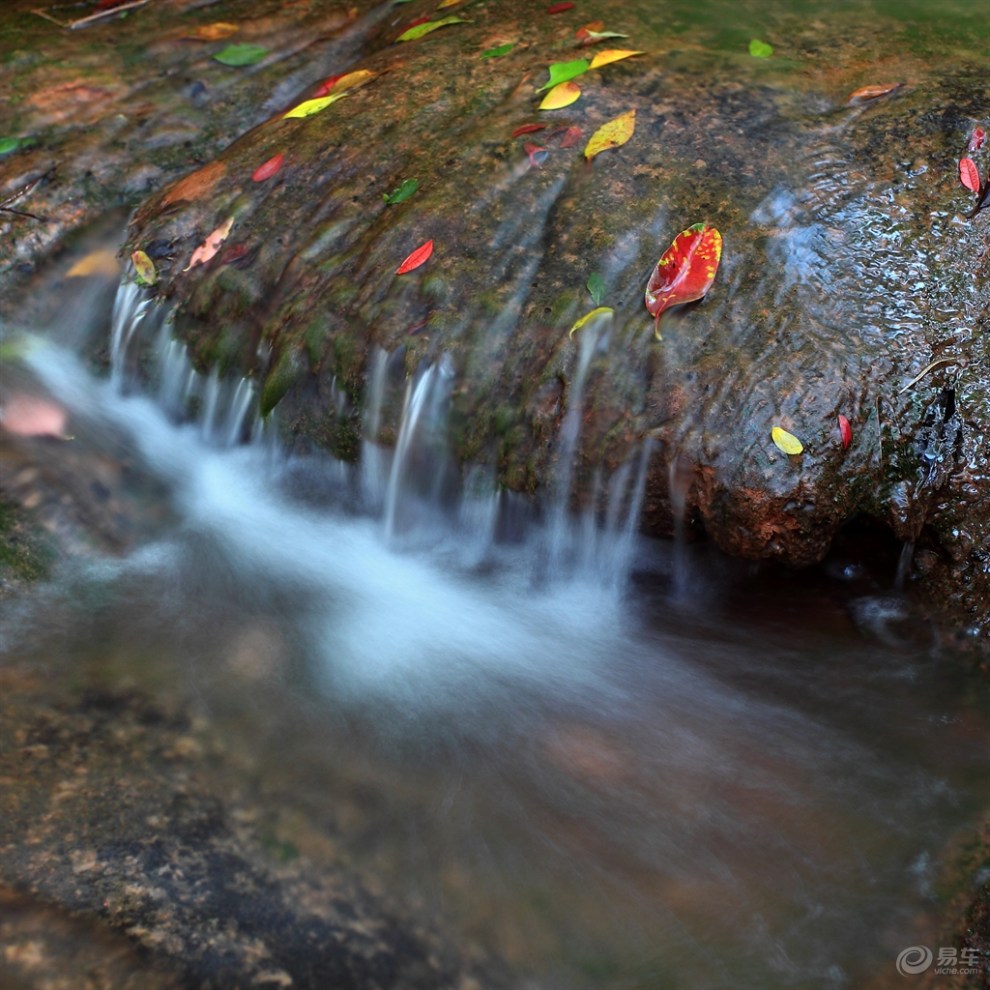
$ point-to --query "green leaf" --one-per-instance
(243, 54)
(596, 286)
(760, 49)
(9, 144)
(497, 51)
(402, 192)
(420, 29)
(563, 71)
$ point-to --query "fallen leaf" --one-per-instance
(308, 107)
(611, 134)
(527, 129)
(969, 175)
(594, 31)
(411, 34)
(572, 135)
(211, 245)
(866, 93)
(537, 155)
(241, 54)
(561, 96)
(760, 49)
(601, 311)
(686, 270)
(9, 144)
(417, 258)
(611, 55)
(211, 32)
(145, 268)
(976, 139)
(402, 192)
(444, 4)
(785, 441)
(269, 168)
(351, 80)
(845, 431)
(596, 286)
(563, 71)
(327, 85)
(194, 185)
(101, 262)
(559, 8)
(32, 416)
(497, 51)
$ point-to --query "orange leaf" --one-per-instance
(611, 55)
(866, 93)
(562, 95)
(417, 258)
(195, 184)
(969, 175)
(269, 168)
(211, 245)
(611, 134)
(212, 32)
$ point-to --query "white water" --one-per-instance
(607, 787)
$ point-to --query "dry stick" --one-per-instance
(24, 191)
(940, 363)
(89, 19)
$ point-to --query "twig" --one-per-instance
(22, 213)
(90, 18)
(940, 363)
(25, 190)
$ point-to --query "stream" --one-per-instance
(615, 762)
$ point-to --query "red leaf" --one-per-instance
(686, 270)
(969, 175)
(528, 129)
(269, 168)
(328, 84)
(572, 136)
(419, 20)
(537, 155)
(417, 258)
(559, 8)
(845, 431)
(976, 140)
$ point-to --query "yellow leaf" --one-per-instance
(601, 311)
(611, 134)
(352, 79)
(308, 107)
(212, 32)
(611, 55)
(144, 267)
(787, 442)
(211, 245)
(562, 95)
(102, 262)
(448, 3)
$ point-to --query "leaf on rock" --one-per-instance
(976, 139)
(269, 168)
(212, 32)
(308, 107)
(351, 80)
(211, 245)
(402, 192)
(527, 129)
(9, 144)
(866, 93)
(760, 49)
(596, 286)
(572, 136)
(611, 55)
(611, 134)
(537, 155)
(417, 258)
(196, 184)
(845, 431)
(563, 71)
(594, 31)
(444, 4)
(969, 175)
(686, 270)
(145, 268)
(785, 441)
(418, 30)
(32, 416)
(242, 54)
(602, 312)
(99, 262)
(560, 8)
(498, 50)
(562, 95)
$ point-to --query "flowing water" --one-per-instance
(616, 763)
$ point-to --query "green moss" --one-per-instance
(25, 553)
(279, 380)
(315, 338)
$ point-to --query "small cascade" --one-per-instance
(130, 307)
(374, 458)
(678, 484)
(904, 565)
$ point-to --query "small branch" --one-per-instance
(22, 213)
(90, 18)
(940, 363)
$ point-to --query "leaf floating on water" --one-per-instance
(603, 312)
(242, 54)
(976, 139)
(418, 30)
(402, 192)
(611, 55)
(866, 93)
(101, 262)
(417, 258)
(760, 49)
(785, 441)
(211, 245)
(560, 8)
(572, 136)
(32, 416)
(845, 431)
(563, 71)
(527, 129)
(212, 32)
(561, 96)
(308, 107)
(611, 134)
(498, 51)
(596, 286)
(537, 155)
(969, 175)
(269, 168)
(686, 270)
(147, 274)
